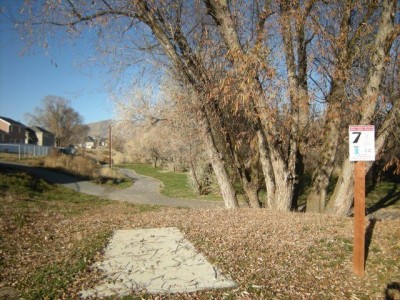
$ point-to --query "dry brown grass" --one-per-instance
(76, 165)
(110, 173)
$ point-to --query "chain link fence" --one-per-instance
(26, 150)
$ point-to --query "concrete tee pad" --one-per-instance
(158, 260)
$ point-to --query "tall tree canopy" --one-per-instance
(56, 115)
(273, 84)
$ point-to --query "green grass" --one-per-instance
(174, 184)
(384, 194)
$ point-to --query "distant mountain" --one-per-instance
(99, 129)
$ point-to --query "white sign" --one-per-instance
(362, 142)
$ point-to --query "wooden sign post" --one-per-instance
(361, 149)
(359, 218)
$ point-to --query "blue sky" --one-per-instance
(26, 80)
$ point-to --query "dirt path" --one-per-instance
(145, 190)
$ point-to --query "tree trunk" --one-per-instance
(317, 196)
(284, 181)
(266, 167)
(248, 176)
(316, 200)
(155, 159)
(284, 187)
(342, 197)
(251, 176)
(227, 191)
(252, 195)
(299, 101)
(193, 174)
(279, 181)
(280, 186)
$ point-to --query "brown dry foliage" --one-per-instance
(77, 165)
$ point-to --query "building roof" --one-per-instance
(11, 121)
(89, 139)
(40, 129)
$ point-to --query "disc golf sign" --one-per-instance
(362, 142)
(361, 149)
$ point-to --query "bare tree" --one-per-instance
(56, 115)
(163, 129)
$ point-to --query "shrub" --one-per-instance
(76, 165)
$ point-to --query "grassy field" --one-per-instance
(50, 236)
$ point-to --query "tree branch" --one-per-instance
(74, 10)
(88, 18)
(108, 5)
(265, 14)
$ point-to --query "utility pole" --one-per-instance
(110, 145)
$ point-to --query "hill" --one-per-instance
(99, 129)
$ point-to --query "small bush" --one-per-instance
(110, 173)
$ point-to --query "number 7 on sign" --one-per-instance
(357, 137)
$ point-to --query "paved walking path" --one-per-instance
(145, 190)
(158, 260)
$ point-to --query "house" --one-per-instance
(43, 137)
(4, 137)
(89, 142)
(15, 131)
(103, 142)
